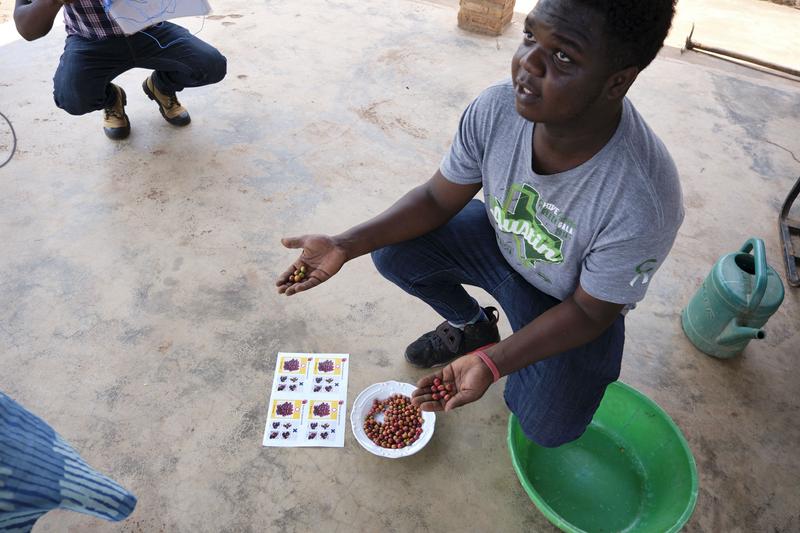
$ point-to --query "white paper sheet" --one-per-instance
(135, 15)
(308, 401)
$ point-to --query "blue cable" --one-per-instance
(176, 40)
(167, 7)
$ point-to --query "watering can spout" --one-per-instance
(734, 333)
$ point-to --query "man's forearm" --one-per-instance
(420, 211)
(412, 215)
(35, 20)
(559, 329)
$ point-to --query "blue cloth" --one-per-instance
(554, 399)
(40, 472)
(82, 81)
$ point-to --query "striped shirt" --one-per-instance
(88, 18)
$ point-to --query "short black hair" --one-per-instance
(636, 28)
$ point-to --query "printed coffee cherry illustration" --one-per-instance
(285, 409)
(322, 410)
(292, 365)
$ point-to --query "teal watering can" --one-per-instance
(735, 301)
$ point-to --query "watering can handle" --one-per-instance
(760, 256)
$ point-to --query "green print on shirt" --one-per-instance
(534, 242)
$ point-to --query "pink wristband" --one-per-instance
(488, 361)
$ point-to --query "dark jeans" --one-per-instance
(554, 399)
(82, 82)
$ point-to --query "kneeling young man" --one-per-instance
(97, 51)
(582, 203)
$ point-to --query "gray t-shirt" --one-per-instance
(607, 224)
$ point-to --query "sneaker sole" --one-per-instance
(437, 365)
(177, 121)
(118, 134)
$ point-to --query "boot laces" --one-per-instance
(113, 111)
(172, 101)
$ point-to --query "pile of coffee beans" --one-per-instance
(401, 426)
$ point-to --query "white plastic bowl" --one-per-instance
(363, 404)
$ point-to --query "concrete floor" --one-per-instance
(140, 320)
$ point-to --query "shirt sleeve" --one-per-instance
(619, 270)
(462, 163)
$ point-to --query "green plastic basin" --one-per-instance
(631, 471)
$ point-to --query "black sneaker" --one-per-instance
(446, 342)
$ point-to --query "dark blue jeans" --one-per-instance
(82, 82)
(554, 399)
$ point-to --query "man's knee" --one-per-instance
(72, 102)
(550, 433)
(220, 68)
(547, 426)
(216, 67)
(384, 259)
(394, 262)
(553, 439)
(76, 98)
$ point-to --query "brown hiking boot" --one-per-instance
(171, 109)
(115, 122)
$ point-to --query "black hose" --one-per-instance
(14, 137)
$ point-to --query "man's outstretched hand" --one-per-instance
(321, 257)
(470, 376)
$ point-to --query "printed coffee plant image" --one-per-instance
(285, 409)
(401, 425)
(292, 365)
(322, 409)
